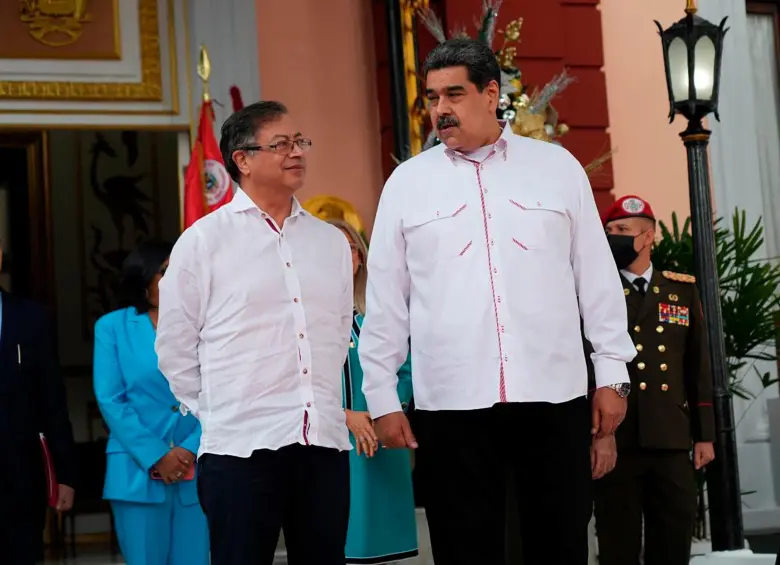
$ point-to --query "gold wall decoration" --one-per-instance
(409, 9)
(334, 208)
(148, 90)
(55, 22)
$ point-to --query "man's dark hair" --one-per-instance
(479, 60)
(240, 128)
(138, 270)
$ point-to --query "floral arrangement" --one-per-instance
(530, 112)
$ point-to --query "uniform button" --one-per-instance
(295, 299)
(300, 336)
(661, 348)
(640, 365)
(660, 329)
(639, 347)
(174, 408)
(306, 371)
(637, 329)
(663, 366)
(308, 405)
(642, 386)
(289, 264)
(664, 387)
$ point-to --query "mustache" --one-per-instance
(447, 121)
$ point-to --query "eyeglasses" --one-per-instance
(283, 147)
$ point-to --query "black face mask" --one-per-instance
(623, 251)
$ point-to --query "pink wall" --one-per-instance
(318, 58)
(650, 159)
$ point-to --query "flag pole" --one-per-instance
(204, 72)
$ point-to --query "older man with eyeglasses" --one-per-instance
(254, 327)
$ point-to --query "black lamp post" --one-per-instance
(692, 55)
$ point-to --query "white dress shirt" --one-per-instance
(488, 266)
(631, 277)
(254, 327)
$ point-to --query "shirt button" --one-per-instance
(491, 242)
(295, 299)
(495, 270)
(306, 371)
(174, 408)
(288, 264)
(308, 405)
(490, 216)
(300, 336)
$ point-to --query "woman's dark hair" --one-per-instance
(138, 270)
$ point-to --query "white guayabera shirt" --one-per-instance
(488, 262)
(254, 326)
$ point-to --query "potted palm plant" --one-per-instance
(750, 303)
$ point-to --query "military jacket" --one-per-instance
(670, 405)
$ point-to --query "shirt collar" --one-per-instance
(500, 146)
(241, 203)
(631, 277)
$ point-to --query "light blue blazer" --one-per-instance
(142, 415)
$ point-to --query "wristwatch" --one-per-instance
(622, 389)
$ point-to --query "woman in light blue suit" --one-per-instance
(151, 447)
(382, 522)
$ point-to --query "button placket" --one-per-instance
(304, 350)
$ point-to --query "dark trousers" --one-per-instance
(658, 485)
(303, 490)
(544, 447)
(22, 505)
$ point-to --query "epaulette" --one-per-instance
(679, 277)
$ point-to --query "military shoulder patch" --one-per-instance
(679, 277)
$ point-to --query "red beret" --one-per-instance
(629, 206)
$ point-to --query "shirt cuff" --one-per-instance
(383, 402)
(190, 407)
(610, 372)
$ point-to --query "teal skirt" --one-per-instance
(382, 520)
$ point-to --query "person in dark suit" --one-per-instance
(669, 409)
(32, 402)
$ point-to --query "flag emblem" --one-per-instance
(218, 181)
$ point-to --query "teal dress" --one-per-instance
(382, 522)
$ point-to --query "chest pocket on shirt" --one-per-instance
(441, 232)
(539, 224)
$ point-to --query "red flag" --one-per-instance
(207, 184)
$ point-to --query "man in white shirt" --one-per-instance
(486, 250)
(254, 326)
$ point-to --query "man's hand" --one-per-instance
(603, 456)
(65, 498)
(362, 428)
(394, 430)
(608, 412)
(703, 453)
(171, 467)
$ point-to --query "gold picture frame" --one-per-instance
(148, 90)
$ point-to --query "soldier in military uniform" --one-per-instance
(669, 408)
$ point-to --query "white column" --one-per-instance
(228, 29)
(736, 183)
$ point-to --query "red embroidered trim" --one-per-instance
(306, 427)
(459, 210)
(520, 244)
(501, 377)
(464, 249)
(517, 204)
(270, 223)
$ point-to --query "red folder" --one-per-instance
(52, 488)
